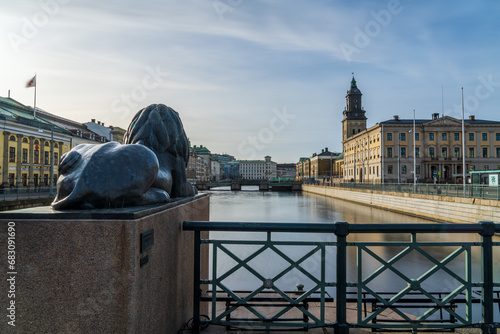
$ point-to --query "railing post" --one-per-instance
(341, 231)
(487, 325)
(197, 281)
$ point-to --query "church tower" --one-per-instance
(354, 120)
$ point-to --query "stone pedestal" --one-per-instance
(101, 271)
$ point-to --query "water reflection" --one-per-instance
(255, 206)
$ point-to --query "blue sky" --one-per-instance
(253, 77)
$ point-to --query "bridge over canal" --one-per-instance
(263, 185)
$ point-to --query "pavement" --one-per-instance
(330, 318)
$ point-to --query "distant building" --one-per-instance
(215, 170)
(231, 170)
(112, 133)
(318, 168)
(286, 171)
(386, 151)
(258, 169)
(203, 153)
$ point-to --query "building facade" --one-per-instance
(319, 167)
(31, 146)
(258, 169)
(430, 150)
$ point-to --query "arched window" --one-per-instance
(25, 140)
(56, 146)
(46, 143)
(12, 138)
(36, 142)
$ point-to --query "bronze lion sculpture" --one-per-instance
(149, 168)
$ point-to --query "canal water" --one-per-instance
(251, 205)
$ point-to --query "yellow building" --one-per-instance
(391, 151)
(27, 144)
(320, 167)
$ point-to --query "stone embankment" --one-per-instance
(433, 207)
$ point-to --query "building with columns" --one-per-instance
(27, 143)
(392, 151)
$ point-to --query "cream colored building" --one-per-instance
(391, 151)
(258, 169)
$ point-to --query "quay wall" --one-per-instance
(433, 207)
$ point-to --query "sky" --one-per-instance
(253, 77)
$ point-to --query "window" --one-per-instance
(485, 152)
(25, 140)
(12, 154)
(431, 136)
(56, 160)
(457, 152)
(471, 136)
(389, 169)
(46, 158)
(444, 152)
(484, 136)
(498, 152)
(432, 152)
(377, 170)
(403, 152)
(389, 152)
(403, 169)
(417, 136)
(55, 145)
(497, 136)
(486, 167)
(444, 136)
(402, 136)
(12, 138)
(46, 143)
(389, 136)
(417, 169)
(456, 136)
(471, 152)
(417, 152)
(36, 157)
(46, 179)
(25, 155)
(472, 167)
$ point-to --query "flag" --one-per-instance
(31, 83)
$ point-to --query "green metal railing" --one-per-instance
(454, 190)
(396, 301)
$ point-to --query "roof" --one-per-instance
(10, 108)
(423, 121)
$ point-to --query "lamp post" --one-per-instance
(51, 192)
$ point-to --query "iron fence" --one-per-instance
(454, 190)
(358, 291)
(24, 193)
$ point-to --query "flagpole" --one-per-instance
(414, 156)
(463, 142)
(34, 103)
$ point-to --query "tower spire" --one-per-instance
(353, 81)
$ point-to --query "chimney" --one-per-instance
(102, 123)
(93, 120)
(99, 122)
(435, 115)
(396, 117)
(326, 149)
(472, 117)
(9, 94)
